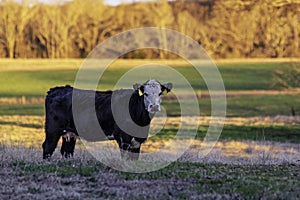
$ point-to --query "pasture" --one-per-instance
(257, 155)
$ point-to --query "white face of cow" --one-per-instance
(152, 99)
(152, 90)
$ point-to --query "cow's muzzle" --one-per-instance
(154, 108)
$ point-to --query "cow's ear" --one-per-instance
(139, 88)
(167, 87)
(136, 86)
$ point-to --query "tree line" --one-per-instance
(225, 28)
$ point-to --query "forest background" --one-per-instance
(225, 28)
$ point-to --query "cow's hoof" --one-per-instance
(67, 155)
(135, 144)
(46, 156)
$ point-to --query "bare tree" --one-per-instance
(163, 18)
(13, 21)
(226, 29)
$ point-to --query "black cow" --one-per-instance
(142, 103)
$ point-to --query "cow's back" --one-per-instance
(58, 91)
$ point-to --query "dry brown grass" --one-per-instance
(227, 172)
(224, 152)
(38, 64)
(249, 152)
(24, 175)
(27, 131)
(21, 100)
(58, 64)
(65, 64)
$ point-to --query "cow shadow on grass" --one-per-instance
(21, 124)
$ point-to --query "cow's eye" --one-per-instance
(146, 94)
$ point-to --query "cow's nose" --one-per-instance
(154, 108)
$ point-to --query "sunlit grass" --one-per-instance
(22, 130)
(29, 130)
(231, 165)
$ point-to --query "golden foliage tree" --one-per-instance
(226, 29)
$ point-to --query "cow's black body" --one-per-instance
(59, 119)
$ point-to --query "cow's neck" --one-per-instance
(138, 111)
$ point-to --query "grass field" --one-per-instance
(243, 106)
(34, 81)
(85, 178)
(256, 157)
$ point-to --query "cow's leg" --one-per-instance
(123, 143)
(68, 145)
(128, 145)
(130, 150)
(135, 149)
(49, 145)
